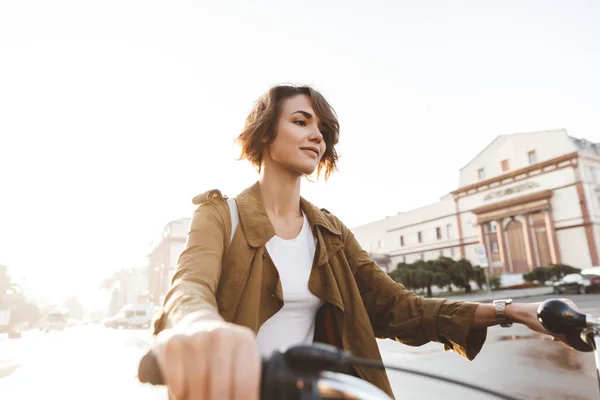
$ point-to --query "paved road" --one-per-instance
(514, 360)
(93, 362)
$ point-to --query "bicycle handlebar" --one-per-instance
(582, 331)
(559, 318)
(316, 371)
(320, 371)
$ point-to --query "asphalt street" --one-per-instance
(94, 362)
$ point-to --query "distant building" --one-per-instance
(163, 256)
(530, 199)
(130, 287)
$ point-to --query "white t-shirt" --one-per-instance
(294, 323)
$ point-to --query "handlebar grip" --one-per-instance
(560, 318)
(149, 371)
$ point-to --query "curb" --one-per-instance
(490, 299)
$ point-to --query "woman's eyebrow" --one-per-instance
(307, 115)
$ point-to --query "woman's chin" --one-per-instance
(302, 170)
(308, 171)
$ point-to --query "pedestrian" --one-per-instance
(292, 273)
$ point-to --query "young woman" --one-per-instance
(291, 272)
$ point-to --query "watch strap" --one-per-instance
(500, 307)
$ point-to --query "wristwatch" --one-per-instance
(500, 306)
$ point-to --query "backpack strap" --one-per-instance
(235, 216)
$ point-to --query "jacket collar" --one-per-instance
(257, 225)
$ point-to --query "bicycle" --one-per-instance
(322, 372)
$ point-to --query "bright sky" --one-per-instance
(114, 114)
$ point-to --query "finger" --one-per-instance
(221, 358)
(247, 369)
(169, 353)
(196, 365)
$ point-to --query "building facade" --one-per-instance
(530, 199)
(130, 287)
(163, 256)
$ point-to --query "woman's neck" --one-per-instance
(280, 192)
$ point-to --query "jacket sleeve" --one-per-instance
(196, 277)
(398, 313)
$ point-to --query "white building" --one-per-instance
(130, 287)
(163, 257)
(531, 199)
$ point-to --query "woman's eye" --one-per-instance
(300, 123)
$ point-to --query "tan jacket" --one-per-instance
(240, 284)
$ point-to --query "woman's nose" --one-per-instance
(316, 135)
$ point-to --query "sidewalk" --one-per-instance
(485, 297)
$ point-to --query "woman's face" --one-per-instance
(298, 145)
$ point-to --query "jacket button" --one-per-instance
(272, 295)
(264, 255)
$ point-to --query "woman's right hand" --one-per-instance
(209, 360)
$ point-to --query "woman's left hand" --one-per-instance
(526, 314)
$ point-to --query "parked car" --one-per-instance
(591, 271)
(132, 316)
(578, 283)
(56, 321)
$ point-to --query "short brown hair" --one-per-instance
(259, 129)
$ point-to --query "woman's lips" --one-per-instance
(311, 152)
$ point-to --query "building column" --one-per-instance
(552, 239)
(484, 243)
(460, 230)
(528, 242)
(587, 223)
(502, 246)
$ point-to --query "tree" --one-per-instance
(421, 275)
(442, 280)
(442, 266)
(540, 274)
(461, 273)
(560, 270)
(403, 275)
(479, 276)
(495, 281)
(442, 272)
(421, 278)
